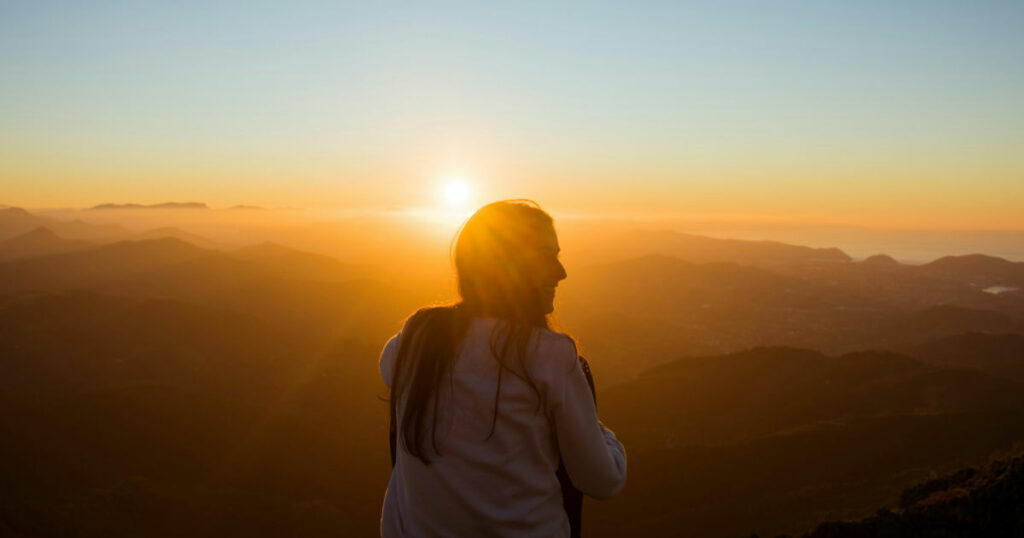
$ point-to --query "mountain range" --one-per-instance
(165, 205)
(159, 386)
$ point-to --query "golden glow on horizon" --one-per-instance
(904, 194)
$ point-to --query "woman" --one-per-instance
(487, 401)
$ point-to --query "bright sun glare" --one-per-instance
(456, 191)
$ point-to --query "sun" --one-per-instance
(456, 191)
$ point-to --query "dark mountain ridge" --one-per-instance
(980, 502)
(997, 354)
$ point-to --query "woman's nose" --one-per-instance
(560, 273)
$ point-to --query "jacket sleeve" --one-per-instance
(593, 456)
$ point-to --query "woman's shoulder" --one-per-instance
(554, 352)
(552, 340)
(549, 353)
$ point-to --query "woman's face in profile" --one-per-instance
(544, 270)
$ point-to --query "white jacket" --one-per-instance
(506, 485)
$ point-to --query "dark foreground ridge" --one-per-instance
(971, 503)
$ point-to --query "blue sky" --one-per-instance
(353, 101)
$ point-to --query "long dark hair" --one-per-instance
(492, 282)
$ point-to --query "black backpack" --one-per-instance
(572, 498)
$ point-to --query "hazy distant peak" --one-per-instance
(969, 260)
(269, 249)
(248, 207)
(159, 243)
(40, 241)
(700, 248)
(38, 236)
(165, 205)
(764, 353)
(657, 259)
(979, 269)
(283, 260)
(834, 254)
(881, 259)
(881, 360)
(40, 233)
(14, 212)
(647, 262)
(766, 356)
(266, 247)
(172, 231)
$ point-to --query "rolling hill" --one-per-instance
(15, 221)
(774, 440)
(39, 242)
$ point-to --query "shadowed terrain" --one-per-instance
(170, 385)
(970, 503)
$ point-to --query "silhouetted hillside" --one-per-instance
(1000, 355)
(158, 418)
(775, 440)
(971, 503)
(744, 395)
(979, 269)
(941, 321)
(56, 343)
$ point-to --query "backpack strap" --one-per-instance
(392, 433)
(572, 498)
